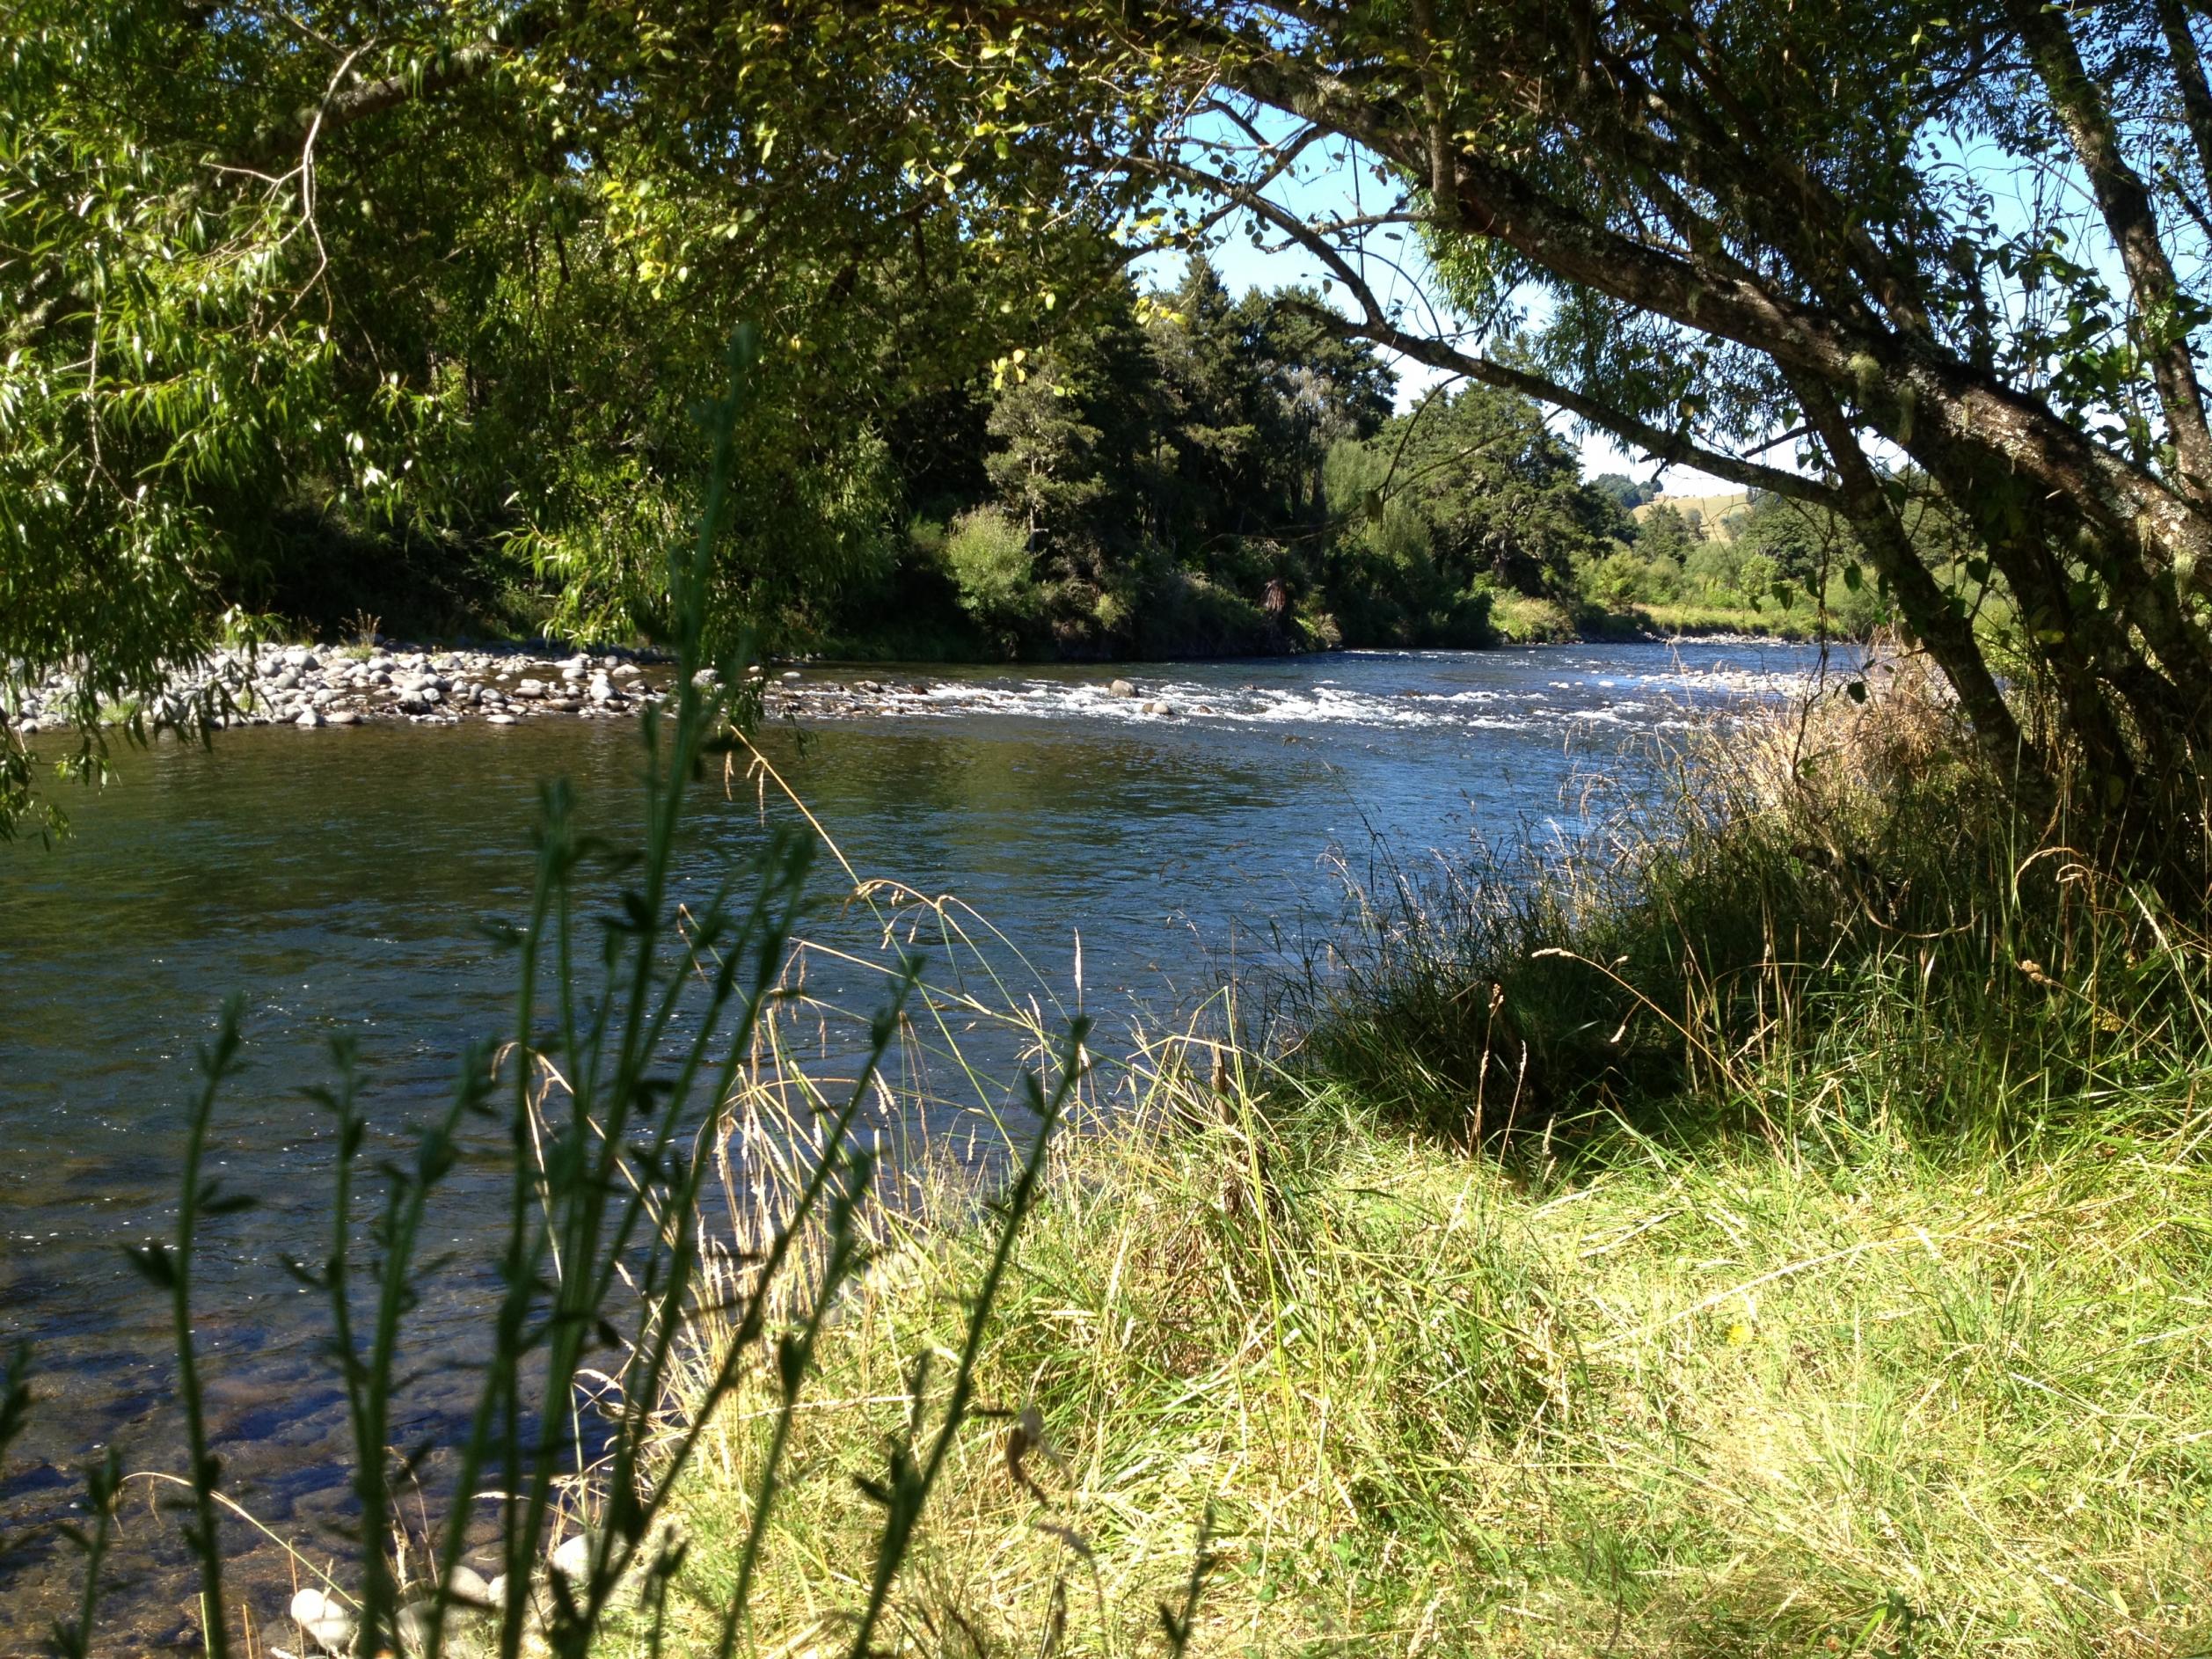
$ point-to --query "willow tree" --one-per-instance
(1969, 239)
(461, 270)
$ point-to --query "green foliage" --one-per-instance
(989, 556)
(1625, 490)
(1462, 504)
(1503, 495)
(1162, 462)
(308, 310)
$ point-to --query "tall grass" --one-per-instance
(1833, 1278)
(1837, 883)
(1845, 1398)
(651, 1008)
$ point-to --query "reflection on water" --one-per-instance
(338, 880)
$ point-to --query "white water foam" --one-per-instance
(1656, 700)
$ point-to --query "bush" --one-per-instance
(1710, 570)
(1623, 579)
(1519, 619)
(988, 554)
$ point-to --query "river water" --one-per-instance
(338, 880)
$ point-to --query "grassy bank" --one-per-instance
(1690, 621)
(1788, 1233)
(1833, 1392)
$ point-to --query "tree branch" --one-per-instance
(1928, 610)
(1919, 395)
(2125, 204)
(1673, 446)
(2196, 95)
(362, 100)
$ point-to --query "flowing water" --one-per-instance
(337, 881)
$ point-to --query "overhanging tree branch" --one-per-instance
(1375, 325)
(361, 100)
(2125, 203)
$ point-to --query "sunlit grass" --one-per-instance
(1741, 1243)
(1751, 1396)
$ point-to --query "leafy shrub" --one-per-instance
(989, 556)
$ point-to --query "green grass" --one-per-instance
(1833, 1392)
(1521, 619)
(1787, 1233)
(1688, 621)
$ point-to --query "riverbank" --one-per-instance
(1781, 1233)
(314, 686)
(338, 686)
(1833, 1389)
(348, 684)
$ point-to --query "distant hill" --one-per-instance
(1716, 510)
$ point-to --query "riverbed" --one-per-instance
(1197, 827)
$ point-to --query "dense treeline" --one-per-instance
(1185, 473)
(1176, 472)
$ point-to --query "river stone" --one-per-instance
(498, 720)
(342, 717)
(565, 705)
(325, 1621)
(466, 1587)
(310, 718)
(530, 688)
(418, 1620)
(1159, 708)
(572, 1560)
(287, 680)
(1120, 688)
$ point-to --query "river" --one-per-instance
(338, 880)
